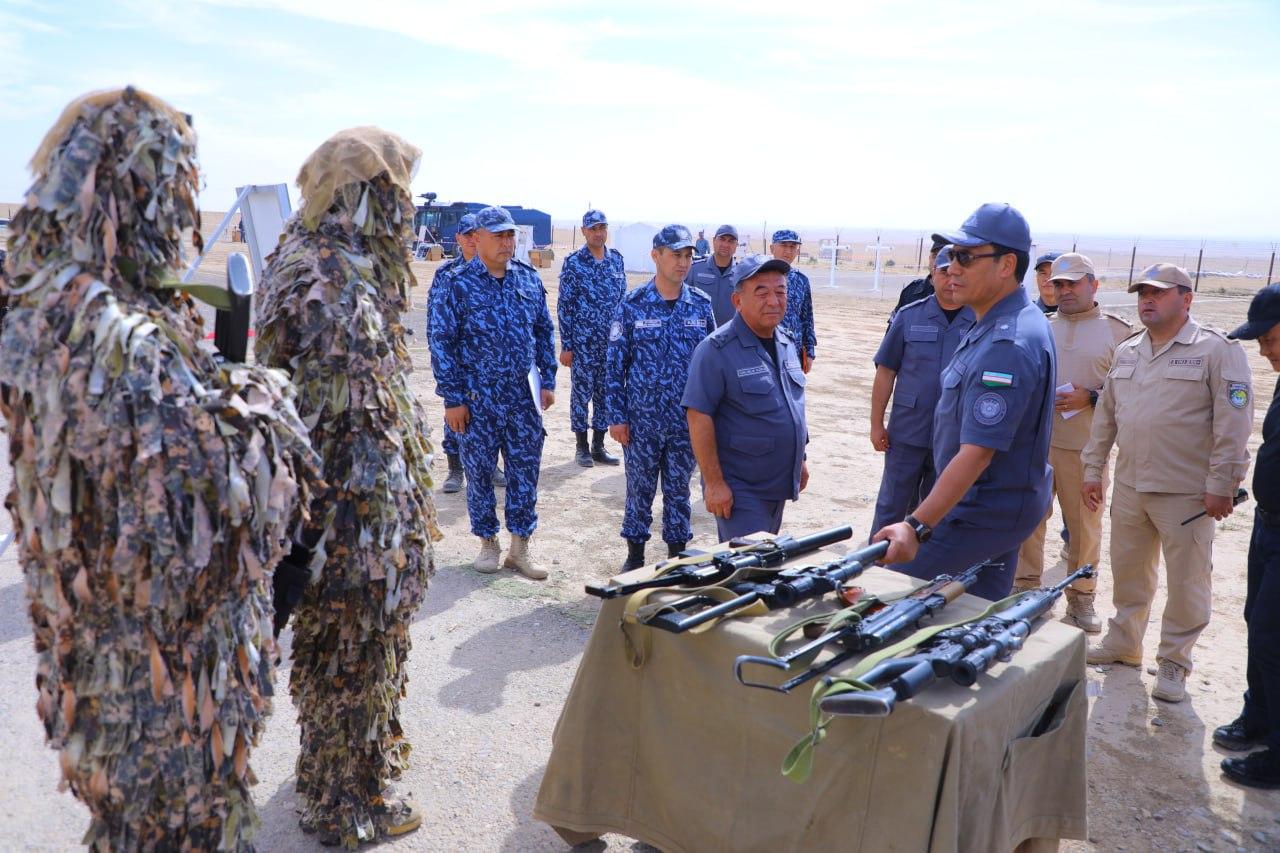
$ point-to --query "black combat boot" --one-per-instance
(674, 548)
(635, 556)
(598, 453)
(457, 477)
(583, 455)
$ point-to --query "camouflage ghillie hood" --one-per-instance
(154, 489)
(114, 192)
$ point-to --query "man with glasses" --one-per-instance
(1179, 405)
(991, 428)
(713, 275)
(920, 342)
(798, 321)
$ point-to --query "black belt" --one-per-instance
(1268, 518)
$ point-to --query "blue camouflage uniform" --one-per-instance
(439, 282)
(485, 336)
(650, 345)
(919, 343)
(997, 392)
(757, 407)
(798, 319)
(797, 322)
(590, 291)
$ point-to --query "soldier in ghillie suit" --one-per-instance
(154, 488)
(334, 293)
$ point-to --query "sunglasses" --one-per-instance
(965, 258)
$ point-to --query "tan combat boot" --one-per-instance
(1080, 612)
(1171, 683)
(487, 560)
(1099, 653)
(1020, 586)
(518, 559)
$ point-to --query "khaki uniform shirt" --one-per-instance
(1181, 414)
(1086, 343)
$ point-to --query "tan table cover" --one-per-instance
(677, 754)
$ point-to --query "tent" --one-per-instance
(635, 242)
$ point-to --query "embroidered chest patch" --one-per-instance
(1187, 362)
(650, 323)
(752, 371)
(693, 322)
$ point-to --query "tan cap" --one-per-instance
(1163, 276)
(1072, 266)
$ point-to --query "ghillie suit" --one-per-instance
(333, 295)
(154, 488)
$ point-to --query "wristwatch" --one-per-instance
(922, 530)
(1093, 397)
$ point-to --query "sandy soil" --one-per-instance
(494, 656)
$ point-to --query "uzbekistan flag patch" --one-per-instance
(994, 379)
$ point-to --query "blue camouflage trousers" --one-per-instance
(450, 441)
(587, 373)
(648, 456)
(513, 426)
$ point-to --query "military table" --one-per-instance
(671, 750)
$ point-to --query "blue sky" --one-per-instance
(1131, 118)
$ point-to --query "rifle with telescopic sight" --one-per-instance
(960, 652)
(866, 634)
(784, 589)
(713, 568)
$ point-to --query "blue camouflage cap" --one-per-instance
(944, 258)
(729, 230)
(467, 223)
(1000, 224)
(1046, 258)
(592, 218)
(495, 220)
(673, 237)
(753, 265)
(785, 235)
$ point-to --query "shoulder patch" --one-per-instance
(989, 409)
(1238, 394)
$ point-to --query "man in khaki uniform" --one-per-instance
(1179, 403)
(1085, 337)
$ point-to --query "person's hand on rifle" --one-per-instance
(903, 543)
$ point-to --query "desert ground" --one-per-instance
(494, 656)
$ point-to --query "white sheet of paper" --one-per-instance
(535, 386)
(1063, 389)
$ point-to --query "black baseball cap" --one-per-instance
(1264, 312)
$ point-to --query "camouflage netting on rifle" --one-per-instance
(154, 489)
(333, 298)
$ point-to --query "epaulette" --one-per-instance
(698, 293)
(525, 265)
(1117, 318)
(1006, 329)
(615, 251)
(722, 335)
(1218, 333)
(785, 335)
(1138, 331)
(917, 302)
(633, 295)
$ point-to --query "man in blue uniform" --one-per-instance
(920, 287)
(493, 354)
(919, 343)
(798, 321)
(745, 405)
(651, 341)
(592, 281)
(1047, 301)
(466, 251)
(713, 275)
(993, 421)
(1259, 722)
(701, 246)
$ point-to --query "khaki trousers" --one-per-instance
(1142, 525)
(1084, 528)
